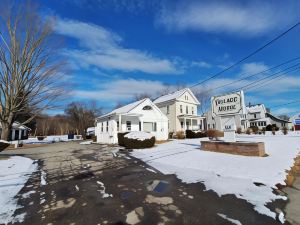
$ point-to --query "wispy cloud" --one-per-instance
(253, 68)
(121, 89)
(103, 48)
(201, 64)
(246, 18)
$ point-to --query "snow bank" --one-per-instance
(49, 139)
(14, 173)
(225, 173)
(139, 135)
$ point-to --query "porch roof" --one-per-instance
(190, 117)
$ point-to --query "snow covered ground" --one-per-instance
(49, 139)
(226, 173)
(14, 173)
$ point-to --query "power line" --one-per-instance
(272, 75)
(248, 56)
(289, 103)
(255, 74)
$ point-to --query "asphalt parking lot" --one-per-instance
(98, 184)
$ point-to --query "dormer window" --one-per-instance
(147, 107)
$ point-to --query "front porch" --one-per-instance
(191, 122)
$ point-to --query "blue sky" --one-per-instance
(117, 49)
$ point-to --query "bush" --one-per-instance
(263, 130)
(180, 135)
(192, 134)
(94, 138)
(136, 143)
(276, 128)
(171, 135)
(285, 131)
(214, 134)
(121, 138)
(239, 130)
(248, 131)
(3, 145)
(40, 138)
(273, 130)
(254, 129)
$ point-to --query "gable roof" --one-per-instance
(17, 125)
(175, 95)
(124, 109)
(256, 108)
(276, 118)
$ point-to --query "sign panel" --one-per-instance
(297, 121)
(229, 104)
(228, 123)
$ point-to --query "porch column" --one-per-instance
(20, 134)
(142, 125)
(120, 123)
(184, 123)
(13, 134)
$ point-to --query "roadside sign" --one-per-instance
(228, 104)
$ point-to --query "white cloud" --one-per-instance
(201, 64)
(235, 17)
(286, 84)
(285, 111)
(122, 89)
(253, 68)
(103, 49)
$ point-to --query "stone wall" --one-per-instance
(237, 148)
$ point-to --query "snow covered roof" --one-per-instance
(173, 96)
(276, 118)
(17, 125)
(124, 109)
(256, 108)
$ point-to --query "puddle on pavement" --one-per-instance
(126, 194)
(158, 186)
(83, 175)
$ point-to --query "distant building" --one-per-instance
(90, 131)
(18, 132)
(181, 109)
(256, 116)
(141, 115)
(295, 120)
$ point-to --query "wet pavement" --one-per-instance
(96, 184)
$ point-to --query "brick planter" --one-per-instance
(237, 148)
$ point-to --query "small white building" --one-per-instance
(181, 109)
(257, 116)
(18, 132)
(141, 115)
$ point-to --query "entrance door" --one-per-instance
(187, 125)
(17, 134)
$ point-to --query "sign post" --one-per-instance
(226, 107)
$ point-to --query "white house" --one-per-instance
(181, 109)
(141, 115)
(18, 132)
(257, 116)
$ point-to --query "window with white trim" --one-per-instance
(149, 126)
(106, 126)
(128, 125)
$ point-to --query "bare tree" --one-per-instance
(204, 97)
(141, 96)
(81, 116)
(29, 72)
(119, 105)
